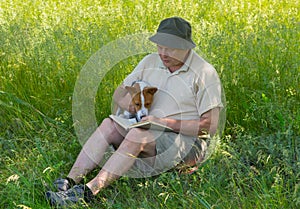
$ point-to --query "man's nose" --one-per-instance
(164, 52)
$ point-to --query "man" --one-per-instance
(188, 101)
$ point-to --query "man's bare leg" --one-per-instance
(122, 160)
(94, 149)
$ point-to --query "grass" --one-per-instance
(254, 45)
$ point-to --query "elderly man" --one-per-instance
(188, 100)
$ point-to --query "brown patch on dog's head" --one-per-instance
(135, 93)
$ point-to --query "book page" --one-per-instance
(151, 125)
(124, 122)
(129, 123)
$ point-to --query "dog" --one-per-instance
(141, 94)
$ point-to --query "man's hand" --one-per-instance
(152, 118)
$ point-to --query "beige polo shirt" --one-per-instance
(184, 94)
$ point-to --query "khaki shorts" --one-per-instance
(173, 150)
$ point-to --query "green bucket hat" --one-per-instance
(174, 32)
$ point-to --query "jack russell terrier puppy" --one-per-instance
(142, 97)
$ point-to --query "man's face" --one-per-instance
(172, 57)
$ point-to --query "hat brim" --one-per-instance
(172, 41)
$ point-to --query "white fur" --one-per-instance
(143, 111)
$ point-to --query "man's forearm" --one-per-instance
(187, 127)
(122, 98)
(208, 123)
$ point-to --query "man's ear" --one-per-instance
(150, 90)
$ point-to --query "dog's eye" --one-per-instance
(137, 104)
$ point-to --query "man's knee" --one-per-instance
(111, 132)
(141, 139)
(141, 136)
(107, 126)
(107, 122)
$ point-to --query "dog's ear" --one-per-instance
(131, 90)
(150, 90)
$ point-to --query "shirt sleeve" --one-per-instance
(209, 94)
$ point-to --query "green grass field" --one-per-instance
(254, 45)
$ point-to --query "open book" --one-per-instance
(131, 123)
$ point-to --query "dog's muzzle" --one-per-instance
(141, 113)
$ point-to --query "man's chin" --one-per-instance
(167, 64)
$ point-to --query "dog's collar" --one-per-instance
(140, 81)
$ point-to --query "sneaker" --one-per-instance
(63, 184)
(70, 197)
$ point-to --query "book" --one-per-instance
(128, 124)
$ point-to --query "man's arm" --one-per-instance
(208, 123)
(122, 98)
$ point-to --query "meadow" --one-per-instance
(254, 46)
